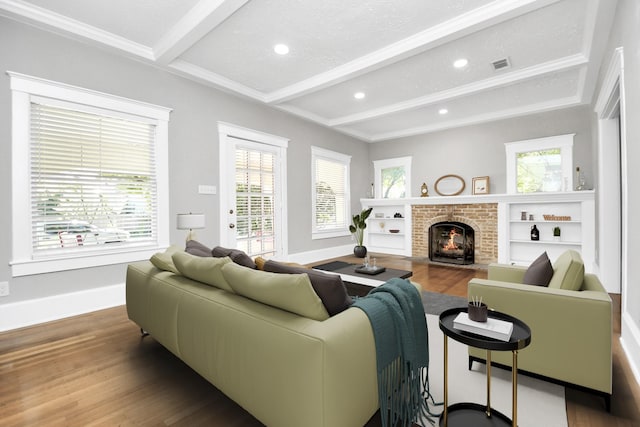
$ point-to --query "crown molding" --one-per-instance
(563, 64)
(557, 104)
(201, 75)
(200, 20)
(44, 18)
(465, 24)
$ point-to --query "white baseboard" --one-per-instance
(630, 342)
(31, 312)
(320, 254)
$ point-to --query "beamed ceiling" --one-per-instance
(399, 54)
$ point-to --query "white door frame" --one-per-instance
(612, 189)
(227, 134)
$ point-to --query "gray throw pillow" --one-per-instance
(539, 272)
(198, 249)
(236, 255)
(329, 287)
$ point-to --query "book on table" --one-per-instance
(492, 328)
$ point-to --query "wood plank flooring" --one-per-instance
(95, 369)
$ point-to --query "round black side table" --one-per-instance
(473, 414)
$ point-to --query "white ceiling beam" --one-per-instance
(465, 24)
(563, 64)
(205, 16)
(556, 104)
(48, 20)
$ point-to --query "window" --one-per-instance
(393, 178)
(540, 165)
(93, 167)
(331, 197)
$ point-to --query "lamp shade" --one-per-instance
(190, 221)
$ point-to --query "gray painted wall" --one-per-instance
(626, 34)
(479, 150)
(193, 144)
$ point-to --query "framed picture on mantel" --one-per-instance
(480, 185)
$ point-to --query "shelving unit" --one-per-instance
(379, 238)
(576, 232)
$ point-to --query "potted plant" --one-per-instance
(357, 229)
(556, 233)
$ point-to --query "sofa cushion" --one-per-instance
(290, 292)
(568, 271)
(329, 287)
(236, 255)
(163, 260)
(207, 270)
(539, 272)
(198, 249)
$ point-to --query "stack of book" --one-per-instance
(492, 328)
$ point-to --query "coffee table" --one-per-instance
(473, 414)
(360, 284)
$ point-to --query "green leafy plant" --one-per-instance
(359, 224)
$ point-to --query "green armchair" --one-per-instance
(571, 330)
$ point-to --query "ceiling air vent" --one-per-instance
(501, 64)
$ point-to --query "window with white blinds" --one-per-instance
(331, 195)
(93, 180)
(89, 177)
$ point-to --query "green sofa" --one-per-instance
(283, 368)
(571, 330)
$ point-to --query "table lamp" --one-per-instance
(190, 222)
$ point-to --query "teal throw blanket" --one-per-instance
(402, 352)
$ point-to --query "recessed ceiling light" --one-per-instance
(443, 111)
(460, 63)
(359, 95)
(281, 49)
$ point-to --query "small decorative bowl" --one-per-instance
(477, 313)
(395, 230)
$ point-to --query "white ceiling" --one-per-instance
(400, 53)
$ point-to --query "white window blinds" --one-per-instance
(92, 179)
(330, 191)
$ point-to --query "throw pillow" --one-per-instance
(259, 262)
(163, 260)
(568, 271)
(329, 287)
(206, 270)
(539, 272)
(198, 249)
(236, 256)
(290, 292)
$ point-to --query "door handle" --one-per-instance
(232, 225)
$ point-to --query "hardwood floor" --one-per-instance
(95, 369)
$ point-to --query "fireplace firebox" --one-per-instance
(451, 242)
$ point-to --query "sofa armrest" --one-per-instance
(571, 331)
(506, 273)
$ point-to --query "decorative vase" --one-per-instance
(360, 251)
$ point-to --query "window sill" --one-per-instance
(50, 265)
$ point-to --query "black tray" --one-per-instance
(370, 270)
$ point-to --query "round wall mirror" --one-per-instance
(449, 185)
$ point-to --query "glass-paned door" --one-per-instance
(255, 200)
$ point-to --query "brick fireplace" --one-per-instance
(482, 217)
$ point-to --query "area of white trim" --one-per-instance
(31, 312)
(199, 21)
(465, 24)
(316, 255)
(630, 342)
(45, 18)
